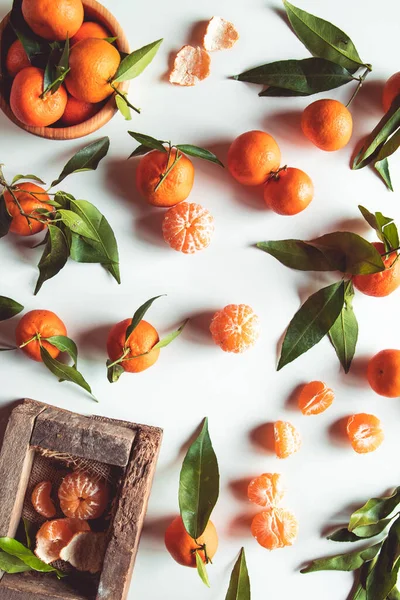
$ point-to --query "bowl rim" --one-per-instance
(101, 14)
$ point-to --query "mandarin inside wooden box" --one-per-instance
(127, 452)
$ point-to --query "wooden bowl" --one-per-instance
(93, 11)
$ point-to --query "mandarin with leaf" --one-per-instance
(16, 59)
(328, 124)
(182, 547)
(252, 156)
(33, 328)
(53, 21)
(24, 204)
(384, 282)
(139, 344)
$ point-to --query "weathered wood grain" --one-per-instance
(30, 586)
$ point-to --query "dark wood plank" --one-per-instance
(62, 431)
(31, 586)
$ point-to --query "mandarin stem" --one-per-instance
(178, 156)
(35, 337)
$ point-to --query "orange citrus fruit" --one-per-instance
(30, 197)
(275, 528)
(182, 547)
(93, 63)
(383, 373)
(287, 439)
(41, 500)
(141, 341)
(266, 490)
(328, 124)
(28, 106)
(315, 397)
(391, 90)
(77, 111)
(176, 186)
(235, 328)
(252, 156)
(188, 227)
(16, 59)
(365, 432)
(288, 191)
(53, 536)
(83, 496)
(53, 20)
(382, 283)
(39, 324)
(89, 29)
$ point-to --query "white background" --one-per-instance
(193, 377)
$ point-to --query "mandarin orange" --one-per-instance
(188, 227)
(252, 156)
(182, 547)
(83, 496)
(34, 326)
(288, 191)
(89, 29)
(53, 536)
(140, 342)
(382, 283)
(30, 198)
(53, 20)
(235, 328)
(383, 373)
(328, 124)
(77, 111)
(16, 59)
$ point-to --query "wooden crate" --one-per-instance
(130, 447)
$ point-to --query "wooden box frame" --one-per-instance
(134, 447)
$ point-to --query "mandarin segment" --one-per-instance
(328, 124)
(274, 528)
(235, 328)
(41, 500)
(266, 490)
(252, 156)
(315, 397)
(182, 547)
(383, 373)
(53, 536)
(16, 59)
(391, 90)
(30, 198)
(288, 191)
(39, 324)
(287, 439)
(220, 35)
(188, 227)
(140, 342)
(53, 20)
(365, 432)
(83, 496)
(191, 65)
(383, 283)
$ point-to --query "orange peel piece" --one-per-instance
(220, 35)
(54, 535)
(85, 551)
(191, 65)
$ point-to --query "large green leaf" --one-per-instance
(349, 253)
(297, 254)
(374, 510)
(306, 77)
(359, 533)
(135, 63)
(383, 576)
(344, 562)
(322, 38)
(9, 308)
(344, 332)
(389, 123)
(312, 322)
(54, 257)
(64, 344)
(198, 484)
(5, 217)
(198, 152)
(276, 92)
(201, 569)
(57, 67)
(138, 316)
(12, 564)
(148, 142)
(15, 548)
(86, 159)
(64, 372)
(239, 585)
(30, 177)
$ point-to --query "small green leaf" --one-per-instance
(198, 152)
(198, 484)
(201, 569)
(123, 108)
(140, 151)
(239, 585)
(375, 510)
(322, 38)
(344, 332)
(86, 159)
(15, 548)
(27, 529)
(344, 562)
(359, 533)
(303, 77)
(389, 123)
(29, 177)
(383, 576)
(135, 63)
(63, 200)
(114, 372)
(171, 336)
(64, 344)
(64, 372)
(382, 168)
(54, 257)
(384, 226)
(147, 142)
(390, 146)
(296, 254)
(111, 40)
(138, 316)
(32, 46)
(9, 308)
(349, 253)
(5, 218)
(12, 564)
(312, 322)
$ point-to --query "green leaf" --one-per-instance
(29, 40)
(322, 38)
(384, 226)
(138, 316)
(64, 372)
(198, 484)
(140, 151)
(344, 562)
(63, 200)
(239, 585)
(198, 152)
(27, 529)
(359, 533)
(64, 344)
(5, 218)
(15, 548)
(86, 159)
(171, 336)
(394, 594)
(390, 146)
(305, 77)
(382, 168)
(389, 123)
(375, 510)
(123, 108)
(76, 224)
(344, 332)
(349, 253)
(296, 254)
(135, 63)
(201, 569)
(9, 308)
(82, 252)
(114, 372)
(30, 177)
(147, 142)
(12, 564)
(111, 40)
(275, 92)
(312, 322)
(54, 257)
(383, 576)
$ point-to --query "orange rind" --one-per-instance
(85, 551)
(220, 35)
(191, 65)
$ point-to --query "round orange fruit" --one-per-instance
(365, 432)
(188, 227)
(175, 187)
(235, 328)
(328, 124)
(252, 156)
(383, 373)
(274, 528)
(382, 283)
(140, 342)
(89, 29)
(53, 20)
(182, 547)
(77, 111)
(83, 496)
(39, 324)
(391, 90)
(30, 198)
(16, 59)
(288, 191)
